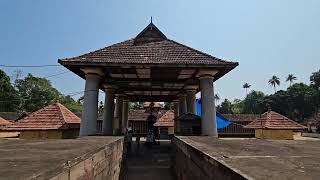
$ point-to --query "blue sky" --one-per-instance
(267, 37)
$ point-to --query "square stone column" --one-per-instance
(117, 123)
(208, 108)
(182, 104)
(125, 111)
(108, 112)
(88, 125)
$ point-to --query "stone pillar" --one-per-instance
(191, 101)
(208, 108)
(176, 115)
(125, 111)
(182, 104)
(176, 108)
(88, 125)
(118, 115)
(108, 112)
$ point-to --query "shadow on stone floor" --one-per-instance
(150, 162)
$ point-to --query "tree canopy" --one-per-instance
(9, 96)
(298, 102)
(30, 94)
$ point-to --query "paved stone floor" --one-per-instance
(151, 163)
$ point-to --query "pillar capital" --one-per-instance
(206, 73)
(191, 87)
(96, 71)
(182, 95)
(110, 88)
(206, 77)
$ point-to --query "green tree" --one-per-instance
(36, 93)
(315, 80)
(298, 102)
(225, 107)
(132, 106)
(253, 103)
(291, 78)
(101, 106)
(9, 96)
(237, 106)
(70, 103)
(274, 81)
(216, 98)
(168, 105)
(246, 86)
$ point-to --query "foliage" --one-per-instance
(132, 106)
(315, 80)
(216, 98)
(100, 107)
(274, 81)
(291, 78)
(9, 96)
(36, 93)
(225, 107)
(71, 104)
(246, 86)
(237, 106)
(253, 103)
(168, 105)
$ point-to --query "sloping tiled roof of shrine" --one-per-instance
(274, 120)
(151, 46)
(52, 117)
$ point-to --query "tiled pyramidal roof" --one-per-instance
(166, 120)
(4, 122)
(274, 120)
(54, 116)
(149, 46)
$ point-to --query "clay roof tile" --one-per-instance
(274, 120)
(54, 116)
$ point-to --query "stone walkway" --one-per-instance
(150, 163)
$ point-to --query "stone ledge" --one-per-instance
(256, 158)
(45, 159)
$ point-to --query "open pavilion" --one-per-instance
(149, 67)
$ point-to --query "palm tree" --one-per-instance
(291, 78)
(274, 81)
(246, 86)
(217, 98)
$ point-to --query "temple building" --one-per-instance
(165, 124)
(272, 125)
(51, 122)
(149, 67)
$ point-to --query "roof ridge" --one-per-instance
(61, 113)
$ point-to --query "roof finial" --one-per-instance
(151, 19)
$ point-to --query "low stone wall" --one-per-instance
(191, 164)
(104, 163)
(313, 135)
(274, 134)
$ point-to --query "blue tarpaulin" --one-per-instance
(222, 122)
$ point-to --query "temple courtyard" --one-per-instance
(190, 157)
